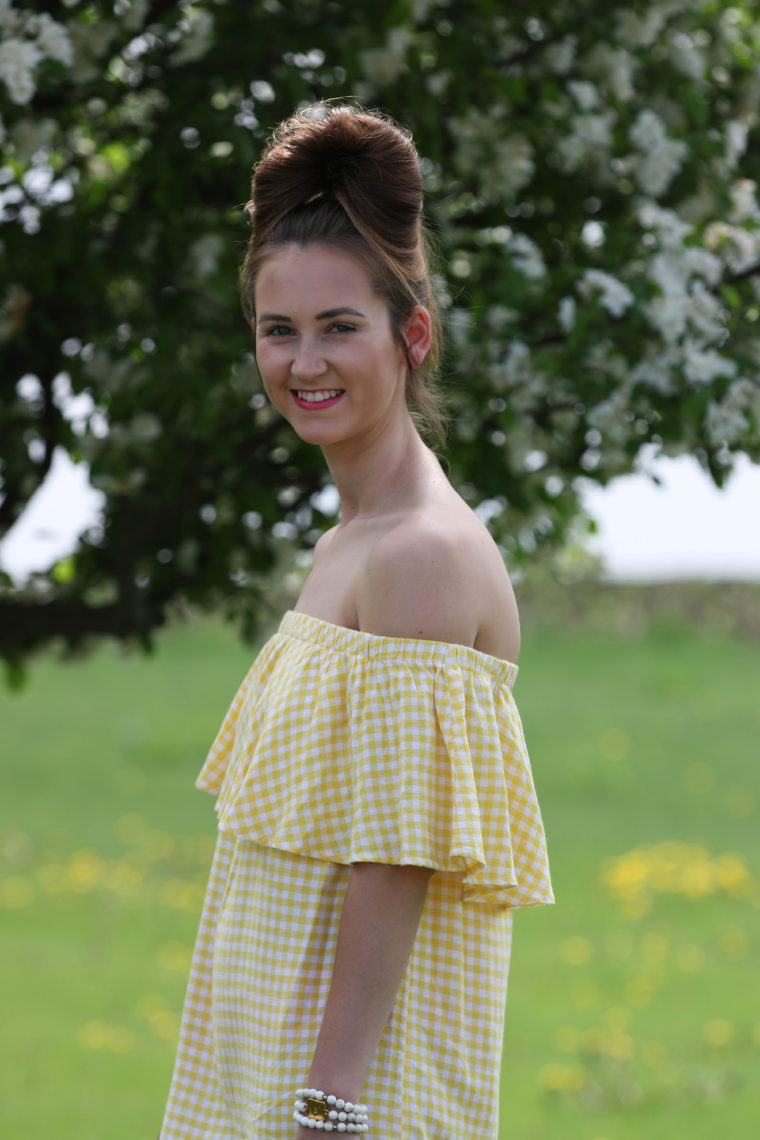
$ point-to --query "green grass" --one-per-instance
(627, 1017)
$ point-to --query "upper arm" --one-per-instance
(415, 584)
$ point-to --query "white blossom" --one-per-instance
(497, 317)
(660, 157)
(656, 371)
(615, 69)
(384, 65)
(18, 59)
(703, 365)
(744, 205)
(726, 421)
(514, 371)
(566, 313)
(559, 57)
(687, 57)
(53, 40)
(504, 163)
(669, 227)
(527, 257)
(133, 16)
(735, 143)
(738, 247)
(584, 93)
(198, 35)
(608, 417)
(614, 296)
(513, 168)
(641, 29)
(684, 303)
(10, 18)
(590, 137)
(205, 253)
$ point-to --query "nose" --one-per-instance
(308, 360)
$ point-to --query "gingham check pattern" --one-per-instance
(340, 747)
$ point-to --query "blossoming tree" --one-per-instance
(591, 175)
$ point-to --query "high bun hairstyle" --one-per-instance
(350, 178)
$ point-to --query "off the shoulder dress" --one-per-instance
(342, 747)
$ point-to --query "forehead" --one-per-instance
(304, 273)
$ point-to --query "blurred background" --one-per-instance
(591, 186)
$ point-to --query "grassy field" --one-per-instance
(633, 1002)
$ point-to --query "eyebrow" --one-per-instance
(325, 315)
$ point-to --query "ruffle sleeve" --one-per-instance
(349, 747)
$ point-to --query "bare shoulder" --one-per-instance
(323, 544)
(439, 576)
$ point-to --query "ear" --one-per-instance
(417, 333)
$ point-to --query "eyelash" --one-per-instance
(341, 327)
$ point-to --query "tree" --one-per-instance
(591, 175)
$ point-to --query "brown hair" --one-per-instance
(352, 178)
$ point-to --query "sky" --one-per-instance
(686, 528)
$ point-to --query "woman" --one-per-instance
(377, 817)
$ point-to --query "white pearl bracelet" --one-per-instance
(329, 1113)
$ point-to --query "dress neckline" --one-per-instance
(418, 649)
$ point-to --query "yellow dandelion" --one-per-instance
(120, 1040)
(561, 1078)
(151, 1004)
(124, 879)
(639, 990)
(165, 1025)
(174, 956)
(576, 951)
(732, 876)
(718, 1032)
(15, 892)
(619, 1046)
(84, 871)
(93, 1035)
(695, 880)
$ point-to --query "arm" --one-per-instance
(410, 589)
(381, 913)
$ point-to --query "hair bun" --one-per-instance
(363, 161)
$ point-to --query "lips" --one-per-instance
(316, 399)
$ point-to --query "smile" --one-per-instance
(321, 398)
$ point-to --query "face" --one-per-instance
(325, 347)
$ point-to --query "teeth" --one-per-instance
(318, 397)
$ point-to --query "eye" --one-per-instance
(278, 330)
(341, 327)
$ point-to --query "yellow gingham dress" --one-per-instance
(343, 747)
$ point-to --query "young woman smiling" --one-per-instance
(378, 823)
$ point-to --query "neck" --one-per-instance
(381, 474)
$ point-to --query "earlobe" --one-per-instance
(418, 335)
